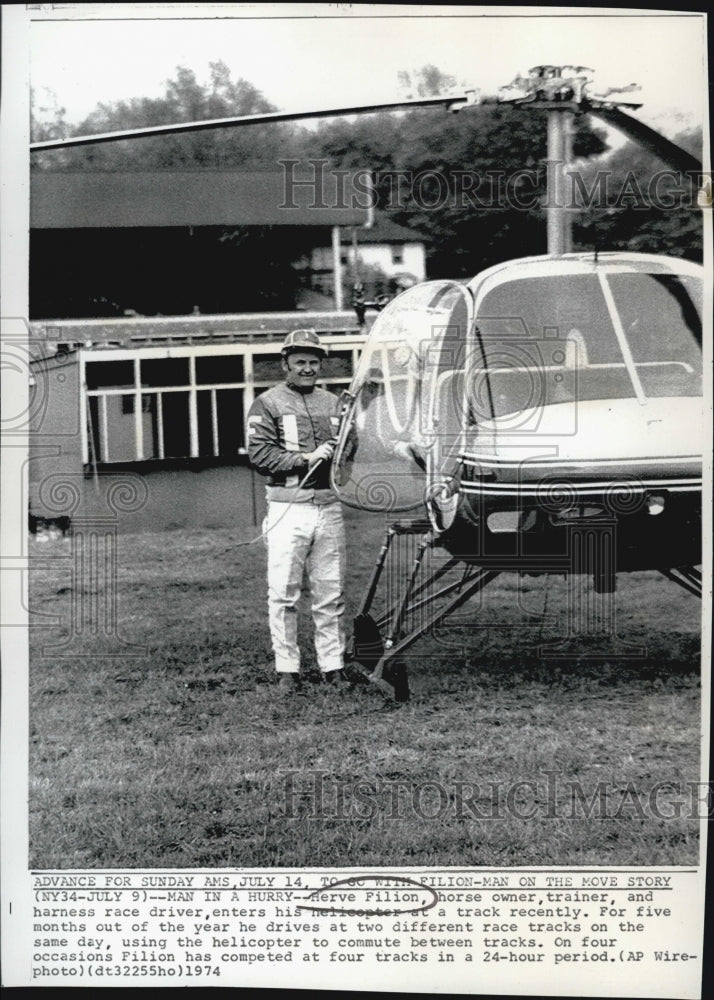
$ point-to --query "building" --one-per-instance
(382, 255)
(176, 242)
(145, 357)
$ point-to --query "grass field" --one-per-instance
(185, 756)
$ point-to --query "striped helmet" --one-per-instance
(303, 340)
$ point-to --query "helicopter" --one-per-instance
(544, 417)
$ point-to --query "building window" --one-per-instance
(127, 403)
(101, 374)
(164, 371)
(212, 368)
(175, 429)
(268, 368)
(397, 255)
(336, 364)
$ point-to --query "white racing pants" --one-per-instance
(306, 537)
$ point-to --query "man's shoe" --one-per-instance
(336, 679)
(288, 683)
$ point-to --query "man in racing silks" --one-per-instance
(291, 440)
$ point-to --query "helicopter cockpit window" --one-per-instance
(661, 319)
(608, 335)
(537, 335)
(380, 457)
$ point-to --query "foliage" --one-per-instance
(642, 206)
(429, 81)
(184, 100)
(48, 116)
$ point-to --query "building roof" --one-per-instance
(179, 198)
(140, 331)
(385, 230)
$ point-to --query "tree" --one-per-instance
(184, 100)
(637, 203)
(48, 116)
(429, 81)
(47, 121)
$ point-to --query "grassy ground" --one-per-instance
(185, 756)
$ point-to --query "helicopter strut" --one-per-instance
(424, 607)
(688, 577)
(376, 659)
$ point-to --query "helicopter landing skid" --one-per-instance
(377, 658)
(687, 577)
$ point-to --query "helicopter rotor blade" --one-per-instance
(452, 102)
(672, 154)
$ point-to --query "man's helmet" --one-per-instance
(303, 340)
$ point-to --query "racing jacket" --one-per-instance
(283, 424)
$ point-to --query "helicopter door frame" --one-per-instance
(621, 338)
(443, 487)
(401, 357)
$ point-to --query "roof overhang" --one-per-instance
(174, 199)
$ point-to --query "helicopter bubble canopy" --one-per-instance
(387, 434)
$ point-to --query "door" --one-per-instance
(402, 413)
